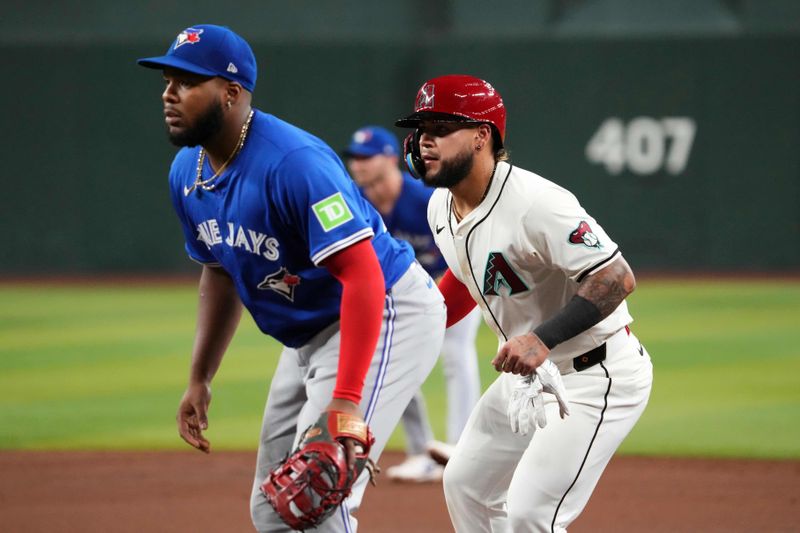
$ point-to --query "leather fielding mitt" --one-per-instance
(310, 484)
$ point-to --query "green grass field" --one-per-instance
(103, 367)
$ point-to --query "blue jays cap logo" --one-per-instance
(362, 136)
(188, 36)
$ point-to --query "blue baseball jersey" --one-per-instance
(284, 205)
(409, 221)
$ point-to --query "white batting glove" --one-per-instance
(551, 382)
(526, 403)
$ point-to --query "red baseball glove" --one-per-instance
(314, 480)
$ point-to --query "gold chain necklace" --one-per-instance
(459, 218)
(201, 158)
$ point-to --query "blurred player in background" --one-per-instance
(373, 160)
(278, 226)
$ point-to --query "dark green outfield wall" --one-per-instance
(696, 166)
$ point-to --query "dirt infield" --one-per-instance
(85, 492)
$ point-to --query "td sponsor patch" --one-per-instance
(332, 212)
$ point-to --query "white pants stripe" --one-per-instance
(391, 313)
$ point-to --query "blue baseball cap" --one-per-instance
(370, 141)
(209, 50)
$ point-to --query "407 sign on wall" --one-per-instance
(644, 145)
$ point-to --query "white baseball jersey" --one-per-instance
(522, 253)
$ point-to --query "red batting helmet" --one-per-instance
(461, 98)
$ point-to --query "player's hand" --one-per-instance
(521, 355)
(192, 415)
(350, 408)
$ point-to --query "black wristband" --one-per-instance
(576, 317)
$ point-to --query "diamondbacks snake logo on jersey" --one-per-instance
(583, 234)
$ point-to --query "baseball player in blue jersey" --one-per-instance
(372, 157)
(270, 213)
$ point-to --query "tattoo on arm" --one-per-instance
(597, 297)
(608, 287)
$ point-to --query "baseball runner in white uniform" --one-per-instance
(551, 284)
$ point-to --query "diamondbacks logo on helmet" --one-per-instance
(283, 282)
(425, 97)
(583, 234)
(188, 36)
(500, 279)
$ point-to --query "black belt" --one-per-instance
(590, 358)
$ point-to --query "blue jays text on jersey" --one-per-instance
(408, 221)
(283, 206)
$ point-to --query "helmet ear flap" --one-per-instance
(412, 156)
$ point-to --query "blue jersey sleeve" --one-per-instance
(314, 194)
(194, 246)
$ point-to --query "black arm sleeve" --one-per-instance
(576, 317)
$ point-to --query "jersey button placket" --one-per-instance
(461, 250)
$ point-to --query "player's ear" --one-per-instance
(483, 135)
(233, 91)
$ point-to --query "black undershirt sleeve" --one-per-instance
(576, 317)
